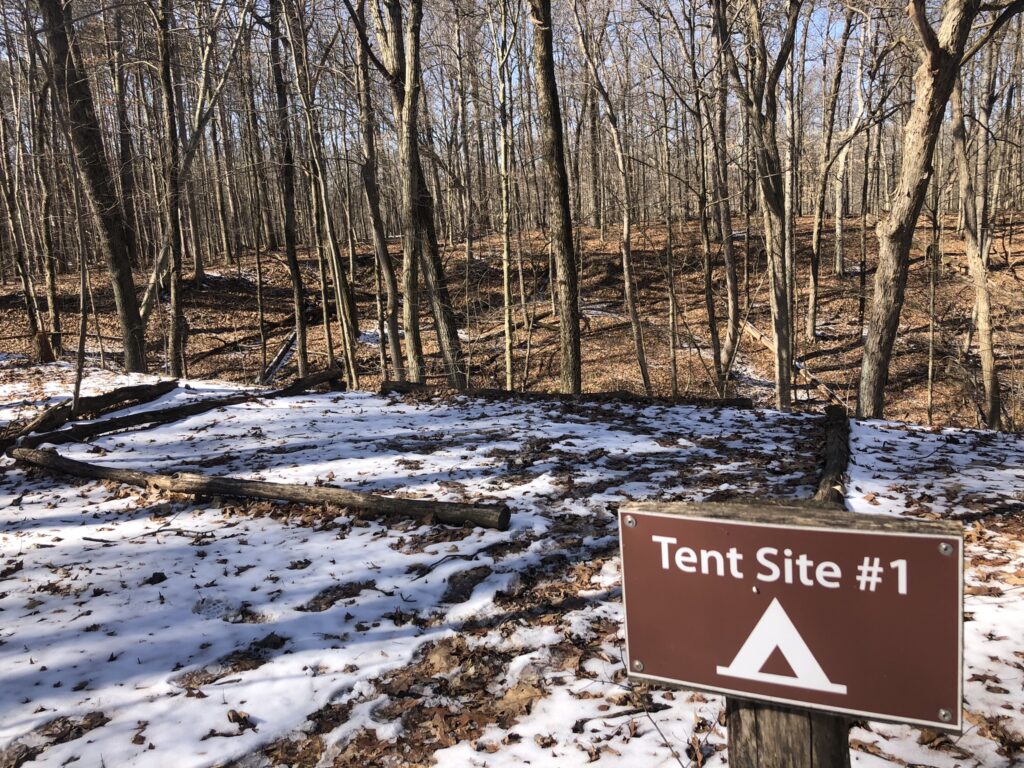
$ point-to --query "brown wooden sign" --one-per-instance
(853, 614)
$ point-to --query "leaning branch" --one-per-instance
(1006, 14)
(929, 41)
(91, 406)
(81, 432)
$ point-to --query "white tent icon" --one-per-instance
(776, 630)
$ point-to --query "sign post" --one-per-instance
(823, 615)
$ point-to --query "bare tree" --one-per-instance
(368, 174)
(622, 165)
(287, 165)
(942, 54)
(398, 34)
(976, 261)
(325, 230)
(503, 30)
(116, 237)
(557, 178)
(758, 92)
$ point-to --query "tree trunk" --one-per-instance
(768, 736)
(622, 165)
(976, 263)
(503, 49)
(758, 94)
(117, 240)
(831, 102)
(125, 155)
(933, 82)
(172, 188)
(437, 285)
(14, 242)
(330, 251)
(452, 513)
(43, 162)
(557, 180)
(368, 174)
(724, 208)
(287, 183)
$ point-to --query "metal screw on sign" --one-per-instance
(638, 666)
(945, 716)
(945, 548)
(631, 523)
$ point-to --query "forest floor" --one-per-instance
(224, 339)
(140, 628)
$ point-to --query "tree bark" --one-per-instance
(976, 263)
(116, 237)
(371, 191)
(502, 52)
(557, 179)
(941, 56)
(172, 187)
(759, 97)
(284, 135)
(768, 736)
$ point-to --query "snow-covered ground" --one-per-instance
(140, 629)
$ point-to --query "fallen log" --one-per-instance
(413, 388)
(81, 432)
(77, 433)
(813, 379)
(407, 388)
(332, 376)
(268, 329)
(800, 368)
(483, 515)
(282, 356)
(500, 330)
(90, 406)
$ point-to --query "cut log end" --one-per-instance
(496, 516)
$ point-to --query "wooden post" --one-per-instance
(770, 736)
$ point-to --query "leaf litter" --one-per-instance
(288, 634)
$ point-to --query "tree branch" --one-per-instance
(929, 42)
(360, 25)
(1007, 13)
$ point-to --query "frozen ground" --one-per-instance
(139, 629)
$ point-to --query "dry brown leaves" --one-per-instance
(57, 731)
